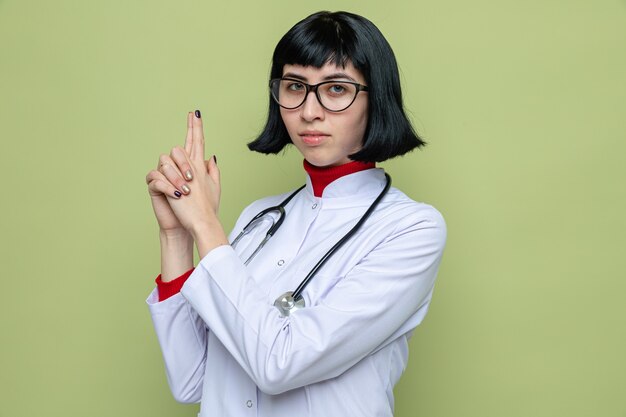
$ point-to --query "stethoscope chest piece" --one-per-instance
(286, 304)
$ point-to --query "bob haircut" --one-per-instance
(339, 38)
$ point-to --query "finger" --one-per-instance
(165, 159)
(179, 156)
(171, 172)
(213, 170)
(197, 148)
(189, 138)
(158, 184)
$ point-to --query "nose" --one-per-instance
(311, 108)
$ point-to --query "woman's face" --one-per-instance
(323, 137)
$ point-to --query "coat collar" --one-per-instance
(362, 184)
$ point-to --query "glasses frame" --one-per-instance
(314, 88)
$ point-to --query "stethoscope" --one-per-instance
(292, 300)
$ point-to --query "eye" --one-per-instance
(337, 89)
(295, 86)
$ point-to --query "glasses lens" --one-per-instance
(337, 96)
(333, 95)
(288, 93)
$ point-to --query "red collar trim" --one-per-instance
(322, 176)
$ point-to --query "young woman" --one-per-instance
(314, 321)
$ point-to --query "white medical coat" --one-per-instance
(224, 342)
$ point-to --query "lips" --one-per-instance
(313, 137)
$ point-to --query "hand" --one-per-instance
(197, 210)
(167, 179)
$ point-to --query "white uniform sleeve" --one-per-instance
(182, 336)
(367, 307)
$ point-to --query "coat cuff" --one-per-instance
(168, 289)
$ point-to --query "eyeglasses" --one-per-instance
(334, 96)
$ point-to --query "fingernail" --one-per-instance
(188, 175)
(215, 159)
(186, 189)
(198, 114)
(177, 194)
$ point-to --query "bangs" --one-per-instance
(316, 42)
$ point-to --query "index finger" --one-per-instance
(189, 138)
(197, 147)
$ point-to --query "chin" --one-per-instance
(321, 161)
(321, 158)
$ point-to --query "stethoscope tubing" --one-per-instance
(298, 291)
(293, 300)
(280, 208)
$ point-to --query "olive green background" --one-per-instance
(524, 108)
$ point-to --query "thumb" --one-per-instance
(212, 169)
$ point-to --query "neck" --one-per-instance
(322, 176)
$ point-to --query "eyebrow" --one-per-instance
(332, 76)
